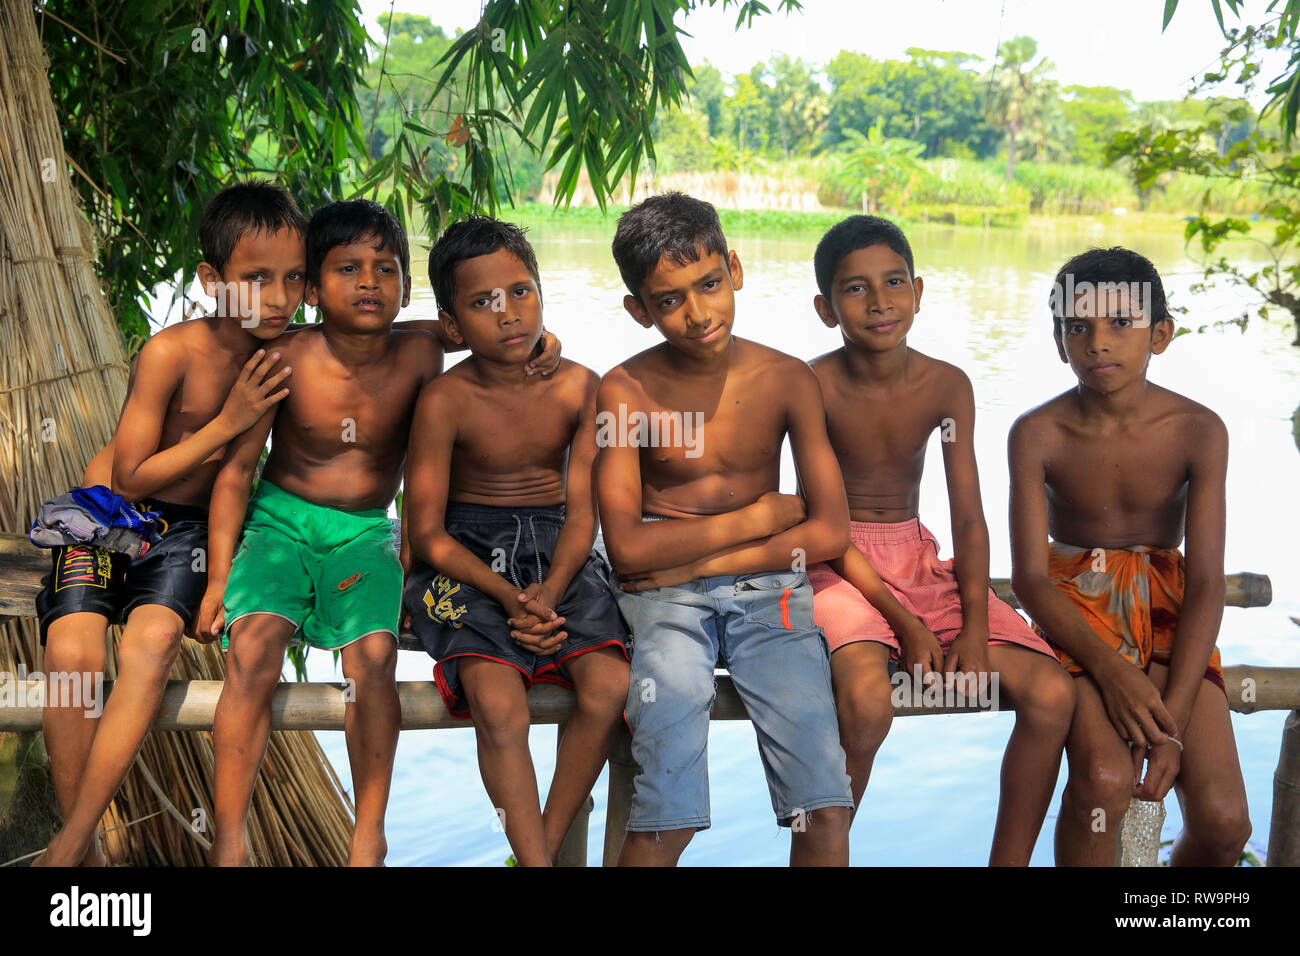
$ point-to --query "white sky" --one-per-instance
(1092, 42)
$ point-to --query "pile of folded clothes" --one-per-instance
(95, 516)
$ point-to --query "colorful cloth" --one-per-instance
(97, 517)
(1130, 597)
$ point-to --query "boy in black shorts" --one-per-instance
(501, 516)
(194, 388)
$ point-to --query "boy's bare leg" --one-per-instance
(75, 644)
(1043, 696)
(1100, 785)
(1211, 792)
(370, 726)
(663, 848)
(600, 682)
(148, 648)
(241, 726)
(824, 841)
(864, 703)
(498, 704)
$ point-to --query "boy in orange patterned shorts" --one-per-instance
(1115, 470)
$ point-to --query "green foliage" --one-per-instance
(877, 171)
(162, 102)
(1257, 164)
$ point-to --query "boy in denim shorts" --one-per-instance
(691, 431)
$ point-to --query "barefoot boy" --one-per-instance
(501, 513)
(1115, 470)
(935, 618)
(194, 387)
(317, 561)
(694, 521)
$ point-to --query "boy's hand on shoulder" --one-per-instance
(211, 620)
(548, 360)
(920, 648)
(780, 511)
(256, 390)
(1134, 706)
(1163, 763)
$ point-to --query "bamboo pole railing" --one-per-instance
(189, 705)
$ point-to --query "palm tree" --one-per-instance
(1018, 91)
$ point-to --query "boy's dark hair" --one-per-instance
(343, 223)
(854, 233)
(257, 205)
(671, 224)
(468, 239)
(1116, 264)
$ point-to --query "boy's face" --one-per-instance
(693, 305)
(497, 308)
(873, 298)
(1108, 341)
(262, 283)
(361, 287)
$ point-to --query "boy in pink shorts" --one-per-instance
(889, 596)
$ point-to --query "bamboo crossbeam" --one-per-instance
(189, 705)
(22, 565)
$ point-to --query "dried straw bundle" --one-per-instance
(64, 377)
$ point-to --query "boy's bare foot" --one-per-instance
(367, 850)
(55, 854)
(229, 854)
(94, 856)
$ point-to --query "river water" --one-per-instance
(934, 789)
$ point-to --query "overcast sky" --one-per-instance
(1092, 42)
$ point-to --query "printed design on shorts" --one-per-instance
(349, 581)
(440, 607)
(84, 566)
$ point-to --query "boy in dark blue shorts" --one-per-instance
(501, 515)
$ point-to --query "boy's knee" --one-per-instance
(372, 661)
(1102, 783)
(253, 663)
(1222, 826)
(156, 640)
(73, 657)
(603, 694)
(865, 711)
(1049, 701)
(501, 725)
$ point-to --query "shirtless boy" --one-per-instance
(889, 596)
(194, 387)
(317, 562)
(1117, 471)
(696, 527)
(501, 513)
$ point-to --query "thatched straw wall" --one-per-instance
(63, 380)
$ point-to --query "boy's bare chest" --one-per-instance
(873, 431)
(685, 435)
(202, 393)
(330, 409)
(1133, 474)
(506, 433)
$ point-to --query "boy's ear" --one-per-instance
(451, 326)
(918, 286)
(637, 311)
(1060, 343)
(406, 291)
(310, 294)
(208, 278)
(733, 266)
(1162, 334)
(822, 306)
